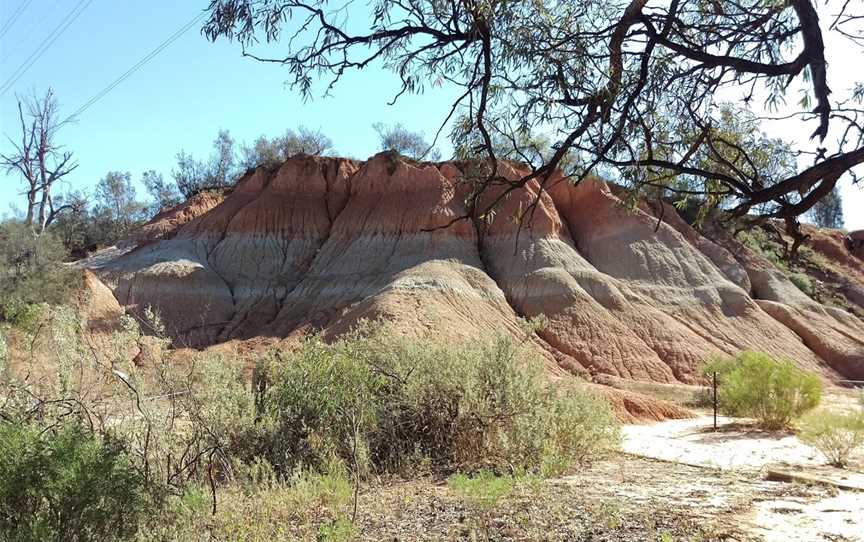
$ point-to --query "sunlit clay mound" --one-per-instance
(321, 243)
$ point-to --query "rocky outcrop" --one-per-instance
(96, 304)
(855, 243)
(166, 223)
(322, 243)
(627, 295)
(834, 335)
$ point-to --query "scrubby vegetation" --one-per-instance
(837, 435)
(166, 443)
(308, 506)
(388, 404)
(810, 271)
(774, 392)
(803, 283)
(31, 272)
(62, 483)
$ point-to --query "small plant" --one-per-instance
(835, 435)
(330, 490)
(610, 513)
(338, 530)
(484, 490)
(774, 392)
(803, 282)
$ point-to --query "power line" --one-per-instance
(43, 15)
(14, 17)
(45, 45)
(152, 54)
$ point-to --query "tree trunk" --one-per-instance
(31, 205)
(43, 207)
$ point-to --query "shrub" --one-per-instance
(835, 435)
(66, 486)
(803, 282)
(338, 530)
(31, 271)
(774, 392)
(385, 404)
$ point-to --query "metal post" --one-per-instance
(714, 385)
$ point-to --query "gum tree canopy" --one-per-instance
(634, 86)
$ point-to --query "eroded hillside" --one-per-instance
(320, 243)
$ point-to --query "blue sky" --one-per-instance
(180, 99)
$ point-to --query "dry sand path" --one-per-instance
(826, 515)
(732, 447)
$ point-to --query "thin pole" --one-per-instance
(714, 385)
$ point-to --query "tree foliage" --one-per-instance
(219, 171)
(31, 270)
(405, 142)
(631, 85)
(117, 209)
(828, 212)
(271, 152)
(163, 195)
(111, 212)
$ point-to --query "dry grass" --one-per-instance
(580, 508)
(624, 499)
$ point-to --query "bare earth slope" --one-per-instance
(323, 242)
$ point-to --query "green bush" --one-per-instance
(774, 392)
(386, 404)
(31, 272)
(803, 282)
(758, 240)
(835, 435)
(66, 486)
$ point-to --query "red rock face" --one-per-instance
(835, 336)
(323, 242)
(165, 224)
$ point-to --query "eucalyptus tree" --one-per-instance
(219, 171)
(404, 141)
(269, 152)
(828, 212)
(636, 86)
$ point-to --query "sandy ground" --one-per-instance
(732, 447)
(774, 514)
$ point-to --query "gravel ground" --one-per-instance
(580, 507)
(623, 499)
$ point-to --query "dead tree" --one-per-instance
(38, 158)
